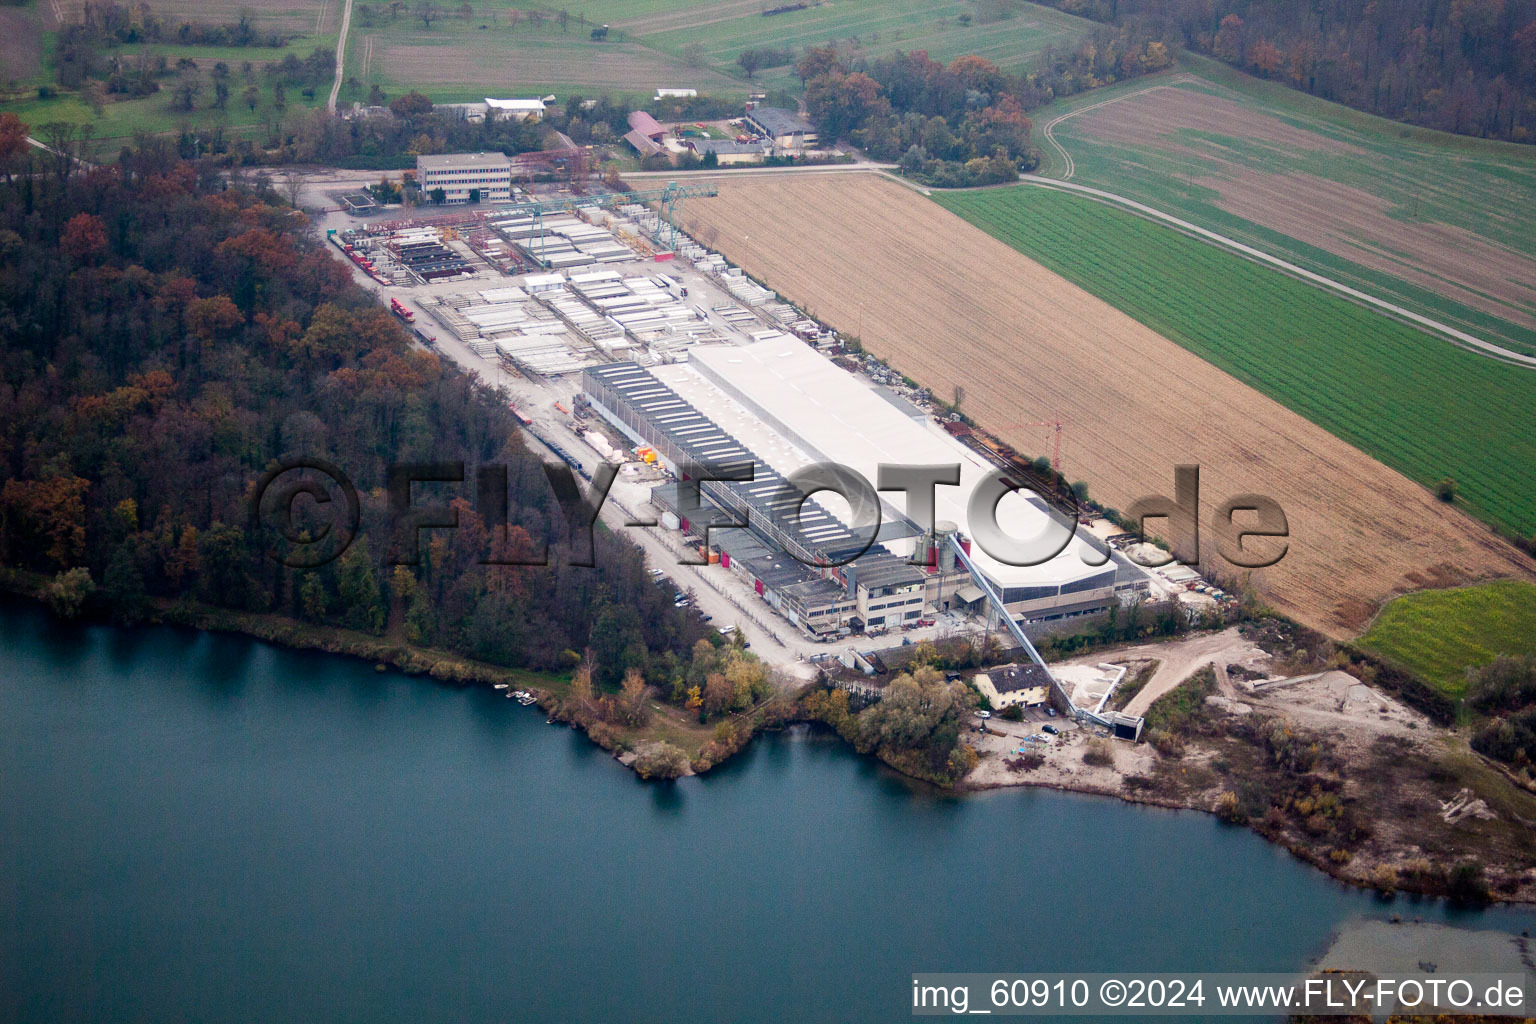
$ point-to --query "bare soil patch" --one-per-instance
(1149, 118)
(1353, 223)
(1345, 220)
(948, 304)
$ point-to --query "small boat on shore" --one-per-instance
(523, 697)
(502, 686)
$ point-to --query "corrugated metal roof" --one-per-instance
(767, 495)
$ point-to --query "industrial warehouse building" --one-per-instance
(817, 412)
(877, 589)
(730, 153)
(787, 129)
(828, 415)
(463, 177)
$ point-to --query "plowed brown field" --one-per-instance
(947, 304)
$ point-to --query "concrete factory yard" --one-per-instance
(949, 305)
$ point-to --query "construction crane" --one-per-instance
(1056, 452)
(670, 198)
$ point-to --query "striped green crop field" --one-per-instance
(1415, 402)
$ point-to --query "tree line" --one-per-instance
(167, 330)
(1463, 66)
(965, 122)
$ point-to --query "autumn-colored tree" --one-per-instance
(13, 138)
(718, 693)
(633, 699)
(213, 317)
(840, 103)
(412, 104)
(977, 73)
(84, 238)
(183, 562)
(1228, 44)
(67, 592)
(581, 683)
(50, 512)
(817, 61)
(1265, 57)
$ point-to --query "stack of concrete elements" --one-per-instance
(505, 323)
(734, 315)
(546, 355)
(566, 241)
(639, 305)
(770, 335)
(745, 289)
(599, 330)
(648, 221)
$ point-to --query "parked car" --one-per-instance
(1050, 729)
(983, 714)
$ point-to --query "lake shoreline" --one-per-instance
(444, 667)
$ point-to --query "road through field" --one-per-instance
(1462, 338)
(1048, 131)
(341, 54)
(949, 305)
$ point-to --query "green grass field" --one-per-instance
(123, 117)
(945, 28)
(457, 60)
(1416, 403)
(1408, 203)
(676, 43)
(1439, 633)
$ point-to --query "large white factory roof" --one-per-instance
(828, 414)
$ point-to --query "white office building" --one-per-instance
(466, 177)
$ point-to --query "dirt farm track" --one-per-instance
(947, 304)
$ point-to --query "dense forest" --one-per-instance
(166, 331)
(963, 123)
(1464, 66)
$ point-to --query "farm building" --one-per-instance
(641, 144)
(518, 110)
(674, 94)
(466, 177)
(787, 129)
(474, 113)
(646, 125)
(730, 152)
(1027, 685)
(645, 134)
